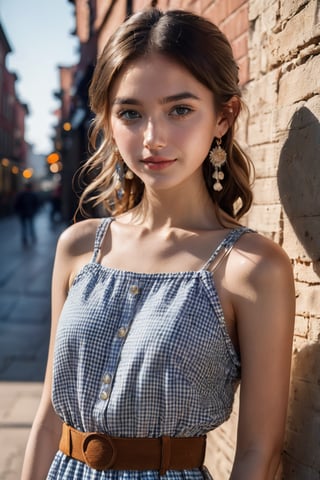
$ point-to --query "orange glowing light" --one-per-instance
(67, 126)
(56, 167)
(53, 157)
(5, 162)
(27, 173)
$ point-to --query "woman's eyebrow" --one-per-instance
(171, 98)
(180, 96)
(125, 101)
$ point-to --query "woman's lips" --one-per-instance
(157, 163)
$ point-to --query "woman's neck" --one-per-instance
(185, 208)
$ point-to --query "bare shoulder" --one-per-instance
(74, 249)
(260, 281)
(78, 239)
(257, 259)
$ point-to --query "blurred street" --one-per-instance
(25, 283)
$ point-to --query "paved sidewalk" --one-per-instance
(25, 282)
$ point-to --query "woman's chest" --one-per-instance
(142, 318)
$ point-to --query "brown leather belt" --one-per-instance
(102, 452)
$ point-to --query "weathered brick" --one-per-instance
(257, 8)
(265, 191)
(299, 343)
(308, 299)
(307, 273)
(269, 17)
(314, 333)
(292, 242)
(306, 76)
(264, 158)
(261, 128)
(241, 128)
(260, 53)
(261, 95)
(283, 119)
(301, 327)
(301, 238)
(266, 219)
(295, 34)
(288, 8)
(243, 64)
(303, 114)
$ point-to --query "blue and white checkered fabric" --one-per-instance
(142, 355)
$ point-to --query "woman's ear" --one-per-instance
(228, 115)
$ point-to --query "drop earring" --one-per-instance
(218, 157)
(129, 174)
(118, 172)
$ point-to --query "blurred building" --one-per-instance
(13, 147)
(95, 20)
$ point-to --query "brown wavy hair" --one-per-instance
(199, 46)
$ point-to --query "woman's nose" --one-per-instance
(154, 135)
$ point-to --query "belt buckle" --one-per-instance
(99, 451)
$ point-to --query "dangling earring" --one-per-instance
(118, 179)
(129, 174)
(218, 157)
(118, 172)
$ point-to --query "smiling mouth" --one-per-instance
(157, 163)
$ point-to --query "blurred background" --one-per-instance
(37, 41)
(48, 50)
(47, 54)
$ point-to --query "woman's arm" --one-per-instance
(264, 305)
(46, 430)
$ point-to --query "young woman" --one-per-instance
(160, 309)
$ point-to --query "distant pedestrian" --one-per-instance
(26, 207)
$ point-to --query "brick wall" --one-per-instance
(276, 44)
(284, 138)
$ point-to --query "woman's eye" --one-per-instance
(181, 111)
(128, 114)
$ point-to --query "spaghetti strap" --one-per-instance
(101, 231)
(225, 247)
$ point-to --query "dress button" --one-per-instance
(134, 290)
(106, 379)
(122, 332)
(104, 395)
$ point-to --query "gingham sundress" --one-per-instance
(142, 355)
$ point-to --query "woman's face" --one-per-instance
(163, 121)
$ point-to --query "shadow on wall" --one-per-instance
(299, 181)
(299, 187)
(301, 459)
